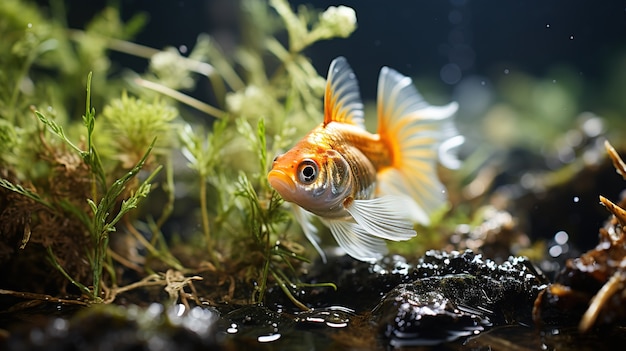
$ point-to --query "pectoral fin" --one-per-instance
(356, 241)
(387, 217)
(305, 218)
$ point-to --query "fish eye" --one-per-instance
(308, 171)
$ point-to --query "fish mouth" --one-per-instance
(280, 181)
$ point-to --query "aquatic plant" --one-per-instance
(102, 204)
(293, 90)
(86, 175)
(104, 218)
(65, 196)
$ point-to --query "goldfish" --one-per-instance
(368, 188)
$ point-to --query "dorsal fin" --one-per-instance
(414, 131)
(342, 100)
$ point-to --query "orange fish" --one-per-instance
(368, 187)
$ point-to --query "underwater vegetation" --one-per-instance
(70, 184)
(129, 200)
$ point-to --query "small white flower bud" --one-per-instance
(340, 20)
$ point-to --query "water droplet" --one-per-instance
(576, 199)
(268, 338)
(179, 309)
(506, 71)
(30, 25)
(183, 49)
(233, 329)
(483, 82)
(571, 37)
(548, 25)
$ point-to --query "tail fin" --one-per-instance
(414, 131)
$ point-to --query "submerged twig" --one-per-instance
(598, 302)
(42, 297)
(618, 212)
(176, 282)
(151, 280)
(620, 166)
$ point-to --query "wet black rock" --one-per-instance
(117, 328)
(417, 314)
(507, 290)
(457, 294)
(360, 285)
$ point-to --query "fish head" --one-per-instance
(315, 178)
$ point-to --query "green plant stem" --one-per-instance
(102, 226)
(134, 49)
(80, 286)
(160, 247)
(101, 246)
(185, 99)
(165, 257)
(24, 192)
(168, 187)
(264, 274)
(206, 229)
(283, 286)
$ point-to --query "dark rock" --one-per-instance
(455, 295)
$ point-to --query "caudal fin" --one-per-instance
(415, 133)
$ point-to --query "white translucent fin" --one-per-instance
(447, 152)
(305, 218)
(386, 217)
(415, 132)
(342, 100)
(356, 241)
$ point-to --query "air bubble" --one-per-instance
(555, 251)
(450, 73)
(561, 237)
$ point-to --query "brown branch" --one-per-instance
(42, 297)
(618, 212)
(619, 165)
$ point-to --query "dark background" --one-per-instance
(418, 37)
